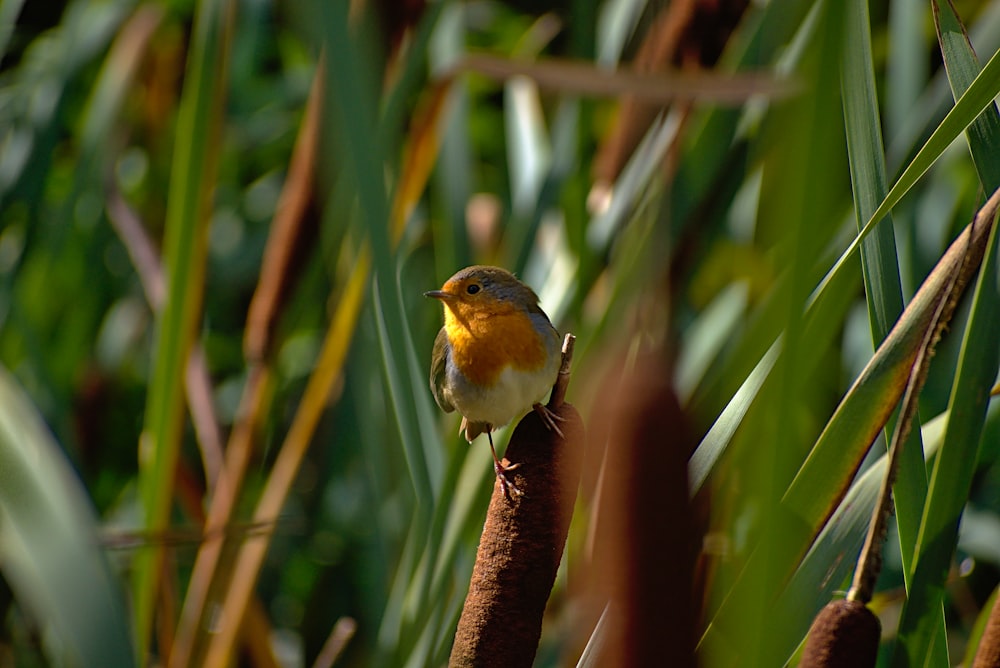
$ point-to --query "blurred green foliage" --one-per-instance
(701, 227)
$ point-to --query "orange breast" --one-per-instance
(483, 346)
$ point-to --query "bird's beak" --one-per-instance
(439, 294)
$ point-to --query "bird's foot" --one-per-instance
(550, 418)
(508, 488)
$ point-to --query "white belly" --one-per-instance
(513, 395)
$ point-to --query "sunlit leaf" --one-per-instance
(49, 547)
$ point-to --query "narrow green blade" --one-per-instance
(49, 546)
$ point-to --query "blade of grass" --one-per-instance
(522, 229)
(529, 149)
(289, 226)
(921, 627)
(193, 175)
(428, 585)
(634, 177)
(721, 434)
(49, 546)
(420, 155)
(869, 565)
(365, 153)
(886, 368)
(414, 593)
(718, 137)
(30, 118)
(878, 252)
(822, 479)
(907, 61)
(347, 83)
(807, 141)
(453, 180)
(825, 477)
(824, 568)
(713, 130)
(397, 107)
(113, 84)
(821, 321)
(617, 23)
(99, 121)
(415, 417)
(868, 177)
(936, 98)
(251, 557)
(963, 112)
(977, 96)
(868, 400)
(963, 67)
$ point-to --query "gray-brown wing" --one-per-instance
(439, 365)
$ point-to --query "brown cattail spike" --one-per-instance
(845, 634)
(988, 654)
(521, 546)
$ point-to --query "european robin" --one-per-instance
(496, 357)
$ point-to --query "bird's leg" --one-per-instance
(505, 485)
(550, 418)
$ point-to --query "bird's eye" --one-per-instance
(472, 289)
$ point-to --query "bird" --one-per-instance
(495, 358)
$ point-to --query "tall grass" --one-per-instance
(765, 217)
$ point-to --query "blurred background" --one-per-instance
(217, 221)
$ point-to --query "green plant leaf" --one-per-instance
(951, 479)
(878, 252)
(717, 439)
(350, 76)
(963, 67)
(921, 628)
(193, 175)
(977, 96)
(976, 635)
(49, 545)
(825, 477)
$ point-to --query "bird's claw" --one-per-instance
(550, 418)
(508, 488)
